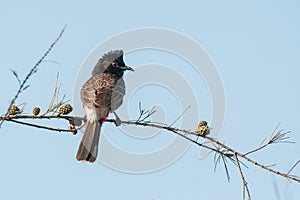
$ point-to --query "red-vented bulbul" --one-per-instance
(101, 94)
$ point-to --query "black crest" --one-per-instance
(107, 59)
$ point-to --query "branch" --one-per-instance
(33, 70)
(245, 184)
(43, 127)
(181, 132)
(58, 116)
(277, 136)
(229, 149)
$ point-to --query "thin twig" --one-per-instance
(277, 136)
(245, 184)
(257, 149)
(53, 107)
(217, 160)
(293, 167)
(225, 166)
(180, 116)
(145, 114)
(267, 143)
(55, 94)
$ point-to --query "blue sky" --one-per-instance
(254, 46)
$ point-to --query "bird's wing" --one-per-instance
(87, 93)
(104, 86)
(103, 90)
(118, 94)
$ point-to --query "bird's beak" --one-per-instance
(127, 68)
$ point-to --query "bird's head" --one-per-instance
(111, 62)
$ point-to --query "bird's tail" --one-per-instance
(88, 148)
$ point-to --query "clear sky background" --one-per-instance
(255, 46)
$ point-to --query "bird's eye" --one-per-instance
(114, 64)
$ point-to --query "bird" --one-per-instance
(101, 94)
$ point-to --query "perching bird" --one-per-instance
(101, 94)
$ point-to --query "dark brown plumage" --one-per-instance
(101, 94)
